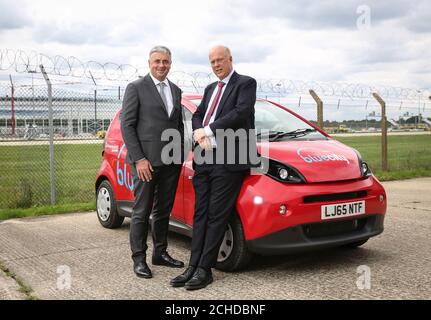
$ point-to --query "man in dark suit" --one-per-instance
(152, 105)
(226, 104)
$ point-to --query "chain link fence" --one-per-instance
(79, 121)
(81, 114)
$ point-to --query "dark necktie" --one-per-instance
(162, 94)
(214, 104)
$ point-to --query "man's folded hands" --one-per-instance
(200, 137)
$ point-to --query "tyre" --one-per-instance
(106, 206)
(233, 254)
(356, 244)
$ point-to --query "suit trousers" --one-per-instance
(216, 191)
(156, 197)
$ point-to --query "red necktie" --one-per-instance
(214, 104)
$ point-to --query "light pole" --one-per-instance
(32, 94)
(12, 105)
(429, 99)
(278, 85)
(366, 116)
(419, 110)
(95, 104)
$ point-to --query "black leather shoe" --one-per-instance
(200, 279)
(141, 270)
(181, 280)
(166, 260)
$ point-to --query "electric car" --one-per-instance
(314, 193)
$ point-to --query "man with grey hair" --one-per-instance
(151, 105)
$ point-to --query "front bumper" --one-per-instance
(303, 202)
(318, 235)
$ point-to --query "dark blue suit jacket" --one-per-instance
(235, 111)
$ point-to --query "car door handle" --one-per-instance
(190, 177)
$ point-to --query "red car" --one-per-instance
(316, 192)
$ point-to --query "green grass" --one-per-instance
(24, 171)
(46, 210)
(409, 156)
(25, 175)
(26, 290)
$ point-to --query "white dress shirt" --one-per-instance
(207, 129)
(168, 92)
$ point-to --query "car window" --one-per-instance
(273, 118)
(197, 102)
(188, 134)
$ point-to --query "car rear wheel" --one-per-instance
(356, 244)
(106, 206)
(233, 254)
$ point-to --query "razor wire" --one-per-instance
(22, 61)
(82, 111)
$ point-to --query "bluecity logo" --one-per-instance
(311, 155)
(123, 175)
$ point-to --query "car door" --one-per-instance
(188, 172)
(181, 208)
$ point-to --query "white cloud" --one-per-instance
(305, 40)
(11, 17)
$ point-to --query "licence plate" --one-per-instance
(339, 210)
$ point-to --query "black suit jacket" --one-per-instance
(144, 118)
(235, 111)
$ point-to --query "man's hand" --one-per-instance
(199, 135)
(144, 169)
(205, 143)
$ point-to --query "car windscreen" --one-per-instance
(269, 117)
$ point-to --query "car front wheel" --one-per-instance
(106, 206)
(233, 254)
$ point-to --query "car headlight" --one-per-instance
(365, 169)
(281, 172)
(363, 166)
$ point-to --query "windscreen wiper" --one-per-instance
(269, 134)
(275, 135)
(298, 132)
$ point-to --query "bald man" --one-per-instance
(226, 104)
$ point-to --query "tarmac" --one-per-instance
(71, 256)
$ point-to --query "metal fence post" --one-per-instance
(51, 135)
(12, 105)
(319, 108)
(384, 132)
(96, 125)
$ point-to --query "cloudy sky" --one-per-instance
(375, 42)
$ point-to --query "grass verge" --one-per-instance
(46, 210)
(23, 288)
(409, 156)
